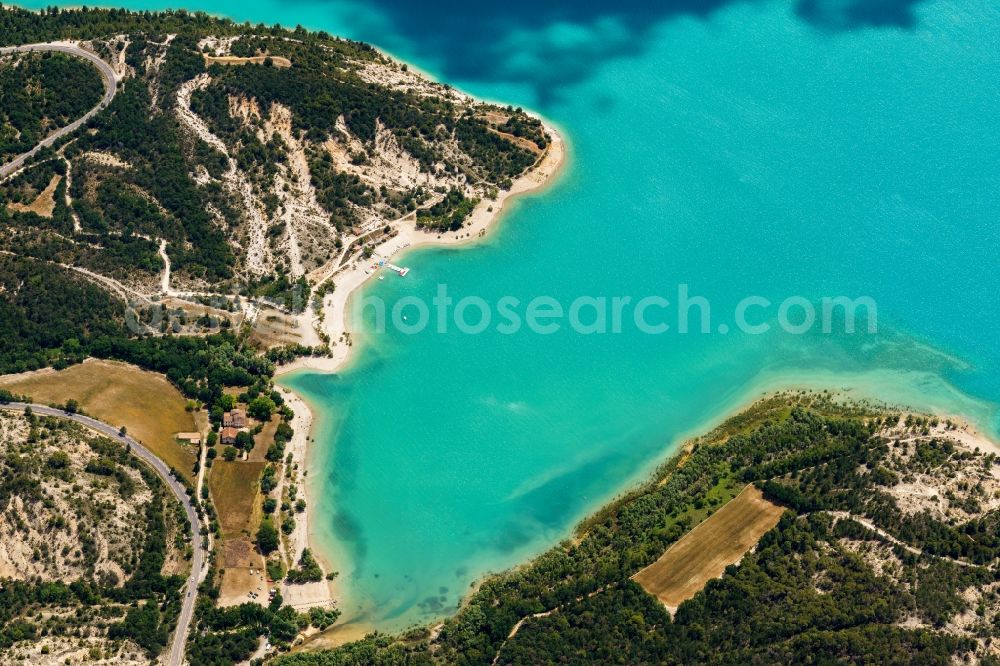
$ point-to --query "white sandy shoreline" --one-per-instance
(321, 593)
(349, 280)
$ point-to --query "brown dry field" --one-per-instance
(239, 558)
(237, 583)
(44, 204)
(235, 491)
(274, 329)
(704, 553)
(119, 394)
(278, 61)
(264, 439)
(240, 554)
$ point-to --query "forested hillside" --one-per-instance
(236, 168)
(887, 553)
(40, 92)
(47, 315)
(249, 156)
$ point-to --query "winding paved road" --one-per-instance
(176, 656)
(110, 88)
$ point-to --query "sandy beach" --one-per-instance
(303, 595)
(966, 434)
(349, 278)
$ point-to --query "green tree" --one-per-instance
(267, 538)
(59, 460)
(261, 408)
(288, 524)
(244, 440)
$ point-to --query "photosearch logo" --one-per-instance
(651, 314)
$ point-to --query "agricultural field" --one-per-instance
(704, 553)
(235, 490)
(235, 487)
(242, 573)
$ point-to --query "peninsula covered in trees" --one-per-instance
(887, 552)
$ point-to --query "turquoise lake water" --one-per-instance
(810, 148)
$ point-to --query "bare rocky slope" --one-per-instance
(87, 560)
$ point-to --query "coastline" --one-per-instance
(486, 216)
(349, 279)
(915, 392)
(705, 107)
(335, 324)
(853, 389)
(963, 431)
(321, 593)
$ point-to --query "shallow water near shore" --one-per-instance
(742, 148)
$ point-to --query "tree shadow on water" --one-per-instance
(851, 14)
(549, 44)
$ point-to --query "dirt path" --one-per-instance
(77, 227)
(520, 623)
(112, 284)
(165, 276)
(844, 515)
